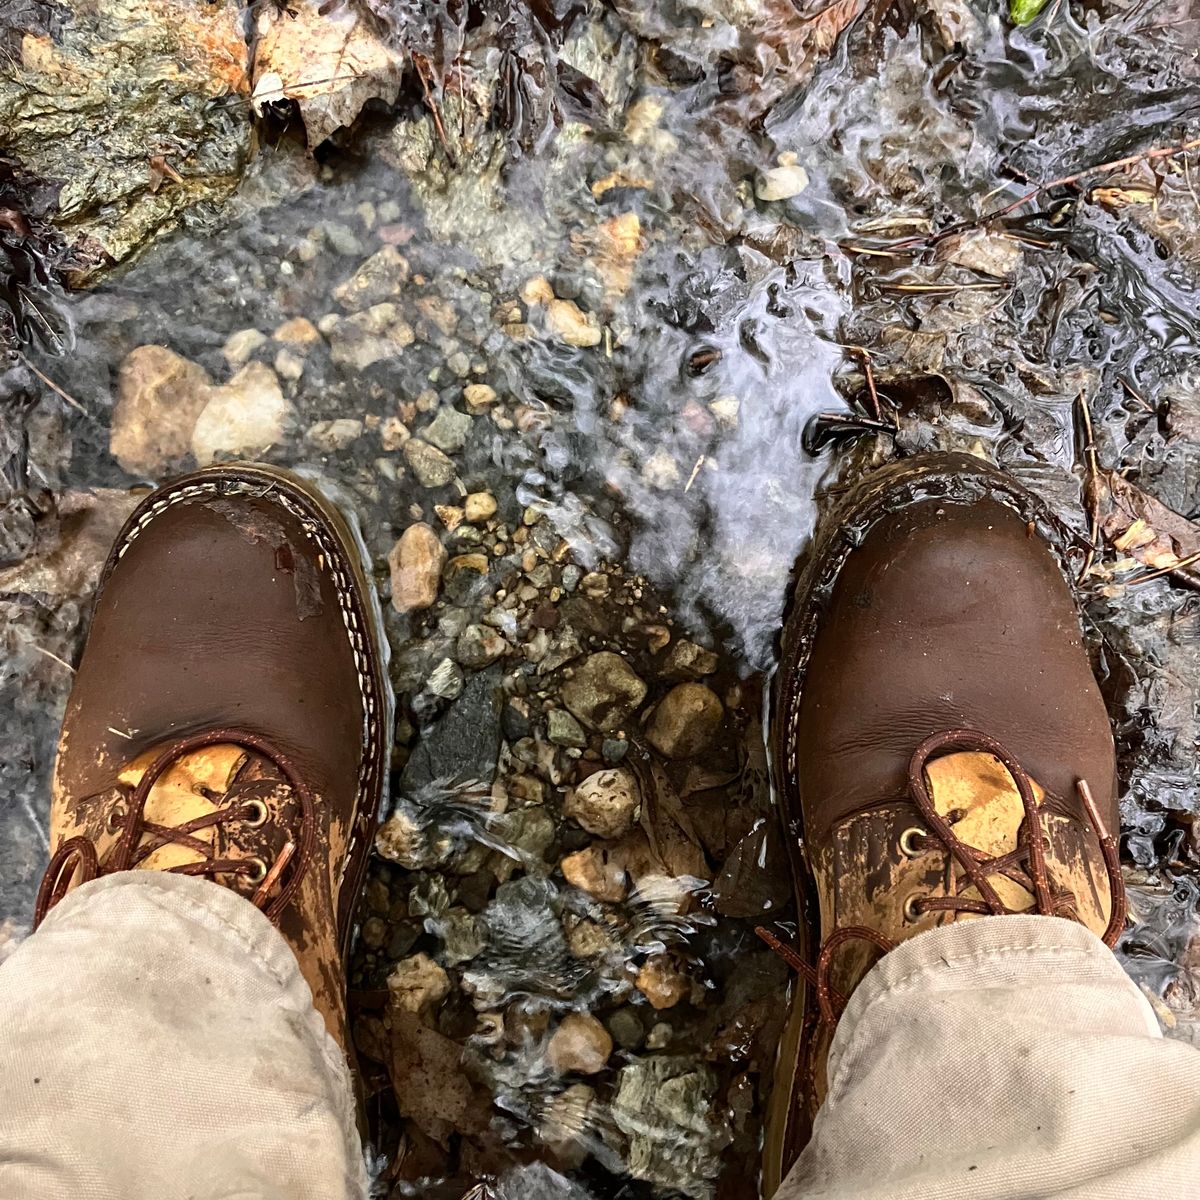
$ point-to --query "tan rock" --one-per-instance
(159, 398)
(689, 661)
(587, 939)
(393, 433)
(592, 871)
(373, 335)
(662, 983)
(239, 347)
(580, 1044)
(686, 721)
(781, 182)
(417, 984)
(479, 396)
(479, 507)
(571, 324)
(617, 245)
(450, 515)
(244, 417)
(416, 562)
(338, 434)
(567, 1122)
(299, 331)
(604, 692)
(606, 803)
(378, 279)
(537, 291)
(430, 466)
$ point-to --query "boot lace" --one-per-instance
(1025, 865)
(139, 838)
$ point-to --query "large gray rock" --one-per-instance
(465, 743)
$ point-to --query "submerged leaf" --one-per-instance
(1023, 12)
(332, 63)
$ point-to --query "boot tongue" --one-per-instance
(195, 785)
(977, 795)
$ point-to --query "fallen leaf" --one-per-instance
(756, 880)
(1138, 525)
(432, 1087)
(1023, 12)
(331, 64)
(1122, 197)
(991, 254)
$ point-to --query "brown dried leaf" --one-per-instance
(785, 47)
(432, 1087)
(331, 64)
(1138, 525)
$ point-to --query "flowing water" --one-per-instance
(657, 333)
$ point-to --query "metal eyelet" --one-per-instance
(906, 841)
(911, 911)
(116, 818)
(260, 870)
(256, 813)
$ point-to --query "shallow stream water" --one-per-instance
(657, 337)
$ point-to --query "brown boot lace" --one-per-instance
(140, 838)
(1026, 865)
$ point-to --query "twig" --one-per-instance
(1136, 394)
(432, 105)
(290, 90)
(1158, 152)
(868, 370)
(1187, 175)
(1091, 486)
(50, 654)
(1181, 565)
(1166, 25)
(54, 386)
(949, 289)
(1128, 161)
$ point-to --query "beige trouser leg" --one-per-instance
(1003, 1058)
(157, 1042)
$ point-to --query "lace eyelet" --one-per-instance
(906, 841)
(911, 911)
(259, 872)
(256, 813)
(116, 818)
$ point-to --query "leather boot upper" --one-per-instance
(231, 644)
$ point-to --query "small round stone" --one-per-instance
(580, 1044)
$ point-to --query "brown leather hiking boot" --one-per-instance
(231, 715)
(941, 749)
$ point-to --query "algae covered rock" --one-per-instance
(137, 107)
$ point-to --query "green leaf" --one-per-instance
(1023, 12)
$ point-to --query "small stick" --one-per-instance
(1178, 566)
(1128, 161)
(54, 386)
(51, 654)
(276, 870)
(431, 104)
(942, 288)
(1135, 394)
(862, 352)
(1187, 175)
(1091, 487)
